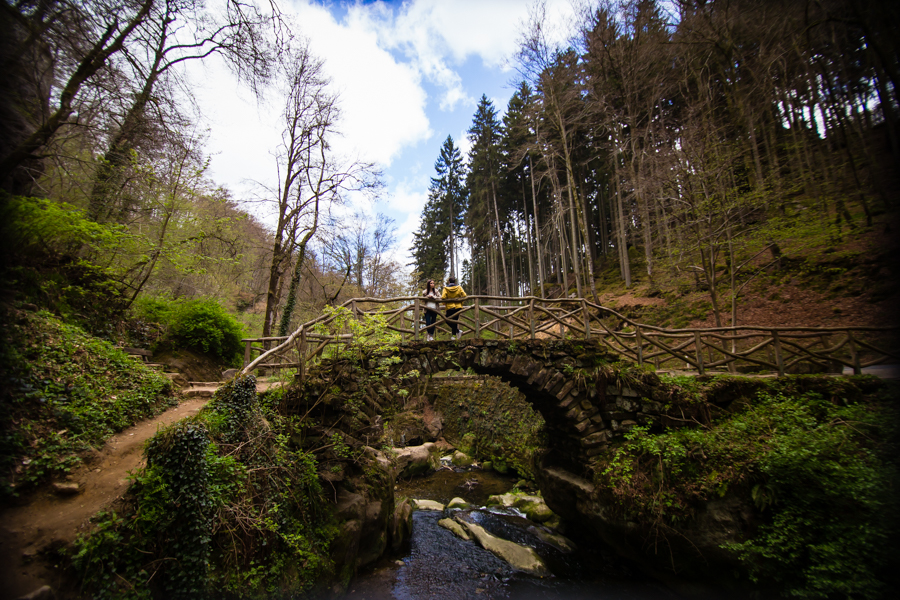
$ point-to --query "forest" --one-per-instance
(677, 145)
(685, 145)
(714, 162)
(108, 208)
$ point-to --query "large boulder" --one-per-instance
(370, 521)
(401, 530)
(414, 460)
(533, 507)
(521, 558)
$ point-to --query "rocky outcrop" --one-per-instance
(428, 505)
(457, 503)
(454, 528)
(415, 460)
(533, 507)
(519, 557)
(693, 552)
(371, 520)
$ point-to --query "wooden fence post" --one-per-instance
(640, 344)
(531, 316)
(477, 320)
(587, 319)
(302, 353)
(416, 316)
(854, 354)
(698, 352)
(779, 358)
(247, 344)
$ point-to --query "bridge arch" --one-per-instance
(565, 381)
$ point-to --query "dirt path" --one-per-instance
(50, 521)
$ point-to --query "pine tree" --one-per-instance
(484, 214)
(435, 243)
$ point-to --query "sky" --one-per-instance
(407, 74)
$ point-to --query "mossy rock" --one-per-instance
(537, 512)
(468, 444)
(460, 459)
(458, 503)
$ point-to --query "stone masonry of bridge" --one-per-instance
(583, 410)
(565, 381)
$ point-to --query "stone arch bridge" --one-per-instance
(567, 382)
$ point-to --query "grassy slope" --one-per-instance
(819, 282)
(63, 393)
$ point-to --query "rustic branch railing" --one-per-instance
(745, 348)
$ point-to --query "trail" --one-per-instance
(50, 521)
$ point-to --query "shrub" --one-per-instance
(154, 309)
(820, 470)
(205, 326)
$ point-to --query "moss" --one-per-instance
(816, 456)
(63, 392)
(492, 422)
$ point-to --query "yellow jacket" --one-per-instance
(453, 292)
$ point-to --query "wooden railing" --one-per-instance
(741, 348)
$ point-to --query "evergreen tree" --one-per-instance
(435, 243)
(486, 228)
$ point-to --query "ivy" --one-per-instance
(225, 506)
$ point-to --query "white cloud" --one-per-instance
(379, 56)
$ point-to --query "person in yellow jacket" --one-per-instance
(453, 291)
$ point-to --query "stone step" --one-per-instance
(199, 392)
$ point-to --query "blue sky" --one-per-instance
(407, 73)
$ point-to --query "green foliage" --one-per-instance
(55, 257)
(42, 225)
(225, 507)
(371, 335)
(233, 404)
(819, 468)
(154, 309)
(205, 326)
(64, 392)
(180, 457)
(491, 421)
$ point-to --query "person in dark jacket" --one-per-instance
(452, 291)
(431, 308)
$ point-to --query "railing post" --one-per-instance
(698, 351)
(531, 316)
(247, 344)
(640, 344)
(477, 320)
(587, 319)
(301, 350)
(416, 316)
(854, 354)
(779, 358)
(508, 312)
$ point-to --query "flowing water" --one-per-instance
(436, 564)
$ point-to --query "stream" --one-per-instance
(437, 564)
